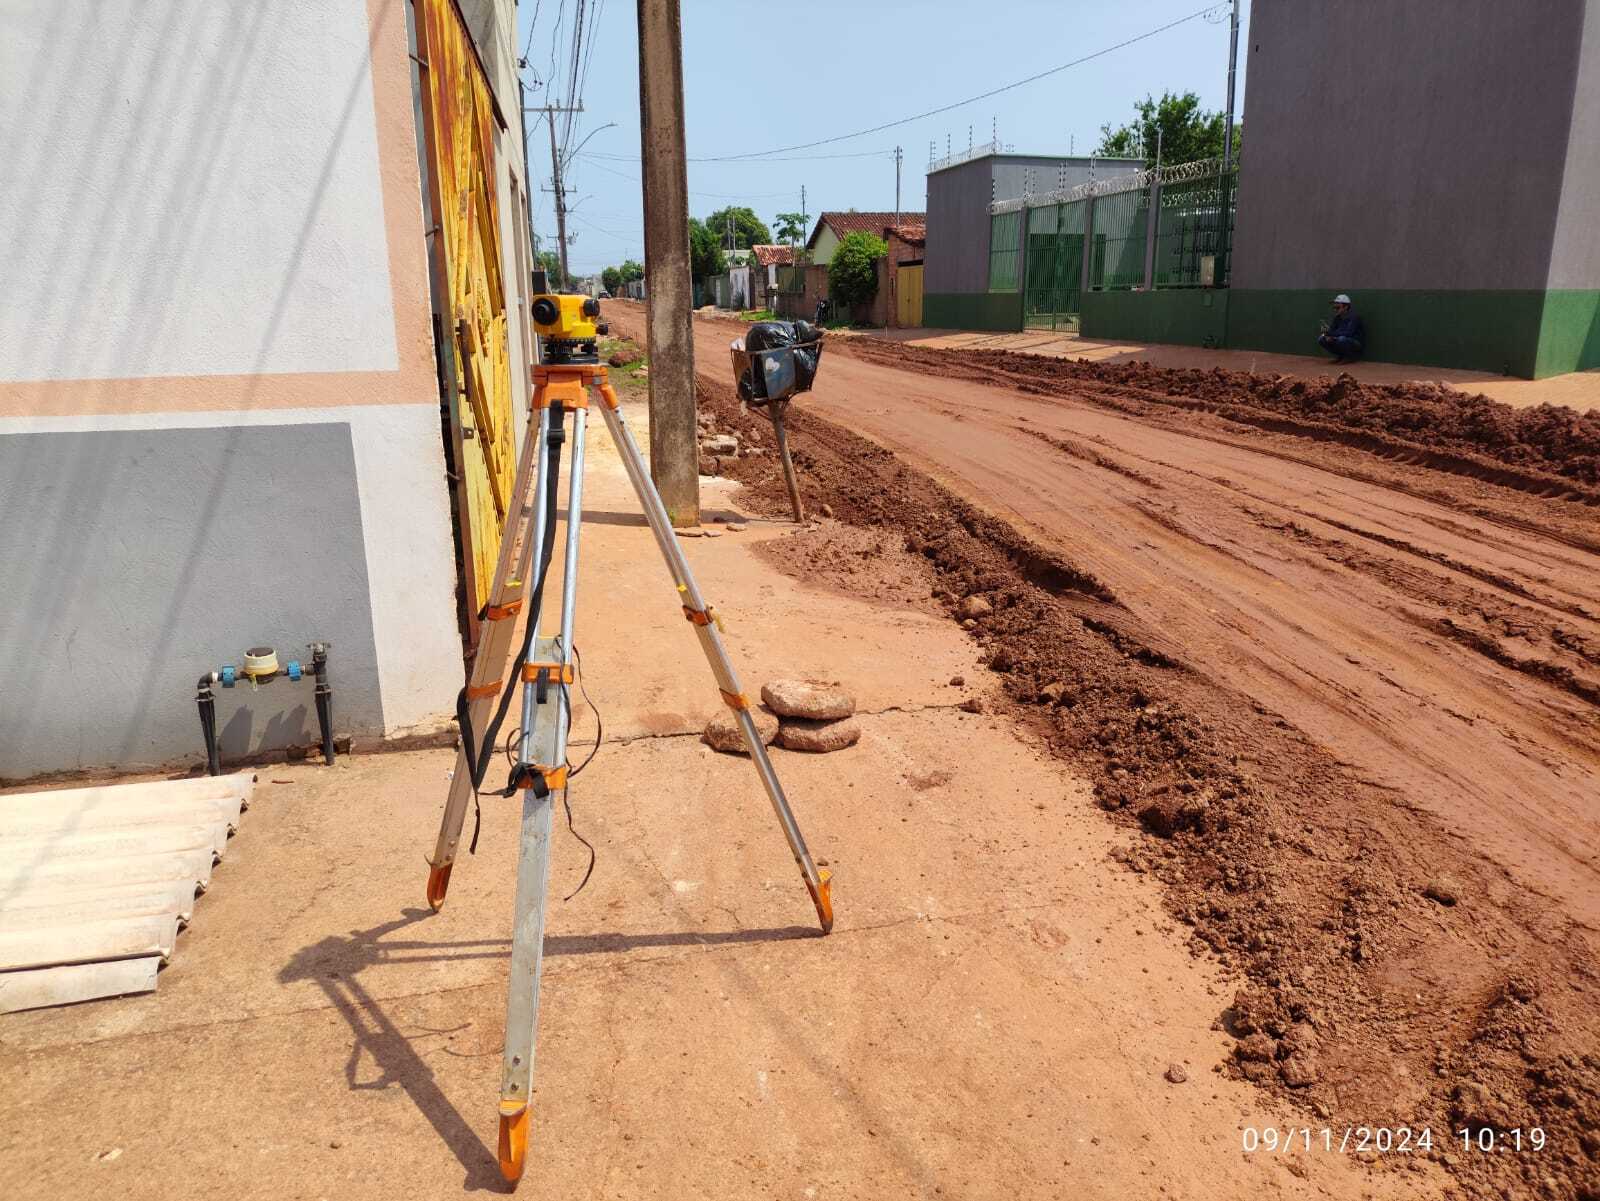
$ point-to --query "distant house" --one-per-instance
(899, 300)
(764, 264)
(832, 228)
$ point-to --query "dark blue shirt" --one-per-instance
(1348, 326)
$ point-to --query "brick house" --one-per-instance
(906, 242)
(764, 263)
(906, 235)
(833, 228)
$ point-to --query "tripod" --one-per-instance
(546, 669)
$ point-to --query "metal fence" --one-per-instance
(1165, 228)
(1194, 222)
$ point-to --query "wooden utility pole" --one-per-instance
(674, 448)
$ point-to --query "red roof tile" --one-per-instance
(912, 234)
(867, 223)
(769, 256)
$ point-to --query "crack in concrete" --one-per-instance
(625, 739)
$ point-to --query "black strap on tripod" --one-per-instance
(479, 754)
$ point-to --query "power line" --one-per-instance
(887, 152)
(555, 38)
(532, 25)
(933, 112)
(588, 56)
(572, 77)
(692, 191)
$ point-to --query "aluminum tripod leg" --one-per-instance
(699, 613)
(517, 565)
(544, 744)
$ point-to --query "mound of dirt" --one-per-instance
(1364, 999)
(1547, 439)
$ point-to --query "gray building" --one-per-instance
(959, 289)
(1440, 161)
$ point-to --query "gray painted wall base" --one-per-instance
(135, 560)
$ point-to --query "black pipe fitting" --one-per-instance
(324, 694)
(207, 701)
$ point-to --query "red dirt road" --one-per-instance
(1447, 646)
(1396, 629)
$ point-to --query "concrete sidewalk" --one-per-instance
(1578, 390)
(992, 1016)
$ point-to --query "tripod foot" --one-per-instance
(513, 1139)
(438, 884)
(822, 898)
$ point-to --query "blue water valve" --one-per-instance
(294, 669)
(229, 675)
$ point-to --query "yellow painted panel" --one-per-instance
(908, 299)
(463, 167)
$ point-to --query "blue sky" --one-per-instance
(761, 76)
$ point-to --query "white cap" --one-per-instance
(1341, 299)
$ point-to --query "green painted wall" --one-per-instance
(1531, 333)
(972, 310)
(1185, 316)
(1569, 339)
(1483, 330)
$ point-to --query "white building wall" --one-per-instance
(218, 404)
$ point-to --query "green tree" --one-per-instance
(611, 280)
(748, 230)
(630, 271)
(852, 272)
(705, 251)
(1187, 132)
(550, 263)
(790, 227)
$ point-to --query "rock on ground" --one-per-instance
(722, 731)
(974, 607)
(800, 698)
(803, 734)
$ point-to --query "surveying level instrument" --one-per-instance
(546, 668)
(567, 327)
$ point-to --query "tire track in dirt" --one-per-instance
(1384, 831)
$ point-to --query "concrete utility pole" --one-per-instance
(1233, 68)
(674, 450)
(561, 202)
(556, 186)
(894, 275)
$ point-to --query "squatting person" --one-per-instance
(1345, 335)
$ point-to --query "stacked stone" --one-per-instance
(796, 714)
(812, 717)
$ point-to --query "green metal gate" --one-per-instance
(1054, 270)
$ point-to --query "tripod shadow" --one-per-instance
(335, 963)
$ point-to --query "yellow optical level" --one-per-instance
(570, 318)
